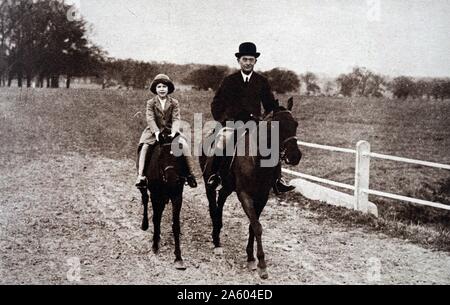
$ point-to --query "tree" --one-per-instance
(142, 74)
(310, 80)
(375, 86)
(207, 78)
(347, 84)
(363, 76)
(329, 88)
(282, 81)
(110, 73)
(38, 40)
(361, 82)
(446, 89)
(440, 89)
(402, 87)
(423, 88)
(4, 41)
(129, 73)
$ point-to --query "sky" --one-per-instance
(391, 37)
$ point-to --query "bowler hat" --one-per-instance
(162, 79)
(247, 48)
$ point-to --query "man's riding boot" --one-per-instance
(191, 181)
(281, 187)
(215, 180)
(190, 167)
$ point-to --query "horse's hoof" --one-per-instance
(263, 273)
(251, 265)
(155, 249)
(179, 265)
(144, 226)
(218, 251)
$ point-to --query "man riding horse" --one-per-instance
(239, 98)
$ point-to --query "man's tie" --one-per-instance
(246, 80)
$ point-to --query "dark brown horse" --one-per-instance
(252, 183)
(164, 183)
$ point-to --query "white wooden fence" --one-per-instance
(362, 175)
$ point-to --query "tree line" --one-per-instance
(404, 87)
(363, 82)
(41, 41)
(360, 82)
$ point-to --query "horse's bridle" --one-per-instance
(283, 147)
(283, 144)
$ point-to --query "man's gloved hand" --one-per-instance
(244, 116)
(173, 135)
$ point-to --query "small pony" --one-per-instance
(165, 181)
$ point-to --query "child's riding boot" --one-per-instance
(190, 166)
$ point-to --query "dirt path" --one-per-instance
(58, 211)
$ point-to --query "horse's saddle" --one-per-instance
(152, 168)
(227, 161)
(153, 171)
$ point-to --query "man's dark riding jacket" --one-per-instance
(237, 100)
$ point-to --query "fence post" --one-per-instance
(362, 169)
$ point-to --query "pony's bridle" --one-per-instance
(167, 168)
(163, 171)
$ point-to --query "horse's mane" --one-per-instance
(268, 116)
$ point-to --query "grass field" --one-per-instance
(109, 123)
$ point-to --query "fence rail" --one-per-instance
(327, 147)
(412, 161)
(326, 181)
(409, 199)
(362, 175)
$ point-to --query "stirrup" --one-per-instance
(191, 181)
(214, 181)
(141, 182)
(280, 187)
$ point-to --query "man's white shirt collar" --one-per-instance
(244, 76)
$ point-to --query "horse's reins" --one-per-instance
(283, 144)
(169, 167)
(267, 118)
(283, 147)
